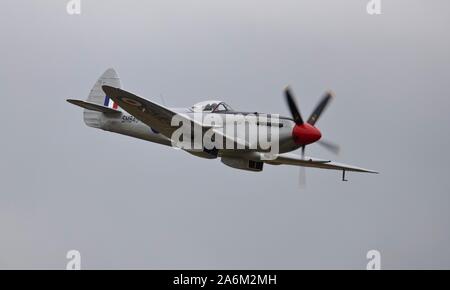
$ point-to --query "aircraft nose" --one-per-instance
(305, 134)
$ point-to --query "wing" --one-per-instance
(292, 159)
(156, 116)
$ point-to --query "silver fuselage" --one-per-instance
(127, 124)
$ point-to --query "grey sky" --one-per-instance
(126, 203)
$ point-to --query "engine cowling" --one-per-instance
(243, 164)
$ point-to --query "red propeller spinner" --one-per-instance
(305, 133)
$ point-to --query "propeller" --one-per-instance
(293, 107)
(321, 106)
(302, 172)
(306, 133)
(330, 146)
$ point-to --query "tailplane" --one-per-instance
(93, 107)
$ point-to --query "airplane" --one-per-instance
(110, 108)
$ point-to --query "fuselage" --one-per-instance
(127, 124)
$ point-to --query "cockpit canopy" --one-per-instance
(212, 107)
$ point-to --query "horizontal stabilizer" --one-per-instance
(93, 107)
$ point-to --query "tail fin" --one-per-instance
(97, 96)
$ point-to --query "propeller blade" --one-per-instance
(302, 172)
(302, 177)
(293, 107)
(323, 104)
(330, 146)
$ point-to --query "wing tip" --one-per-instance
(370, 171)
(331, 93)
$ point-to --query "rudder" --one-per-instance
(97, 96)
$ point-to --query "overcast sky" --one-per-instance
(127, 203)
